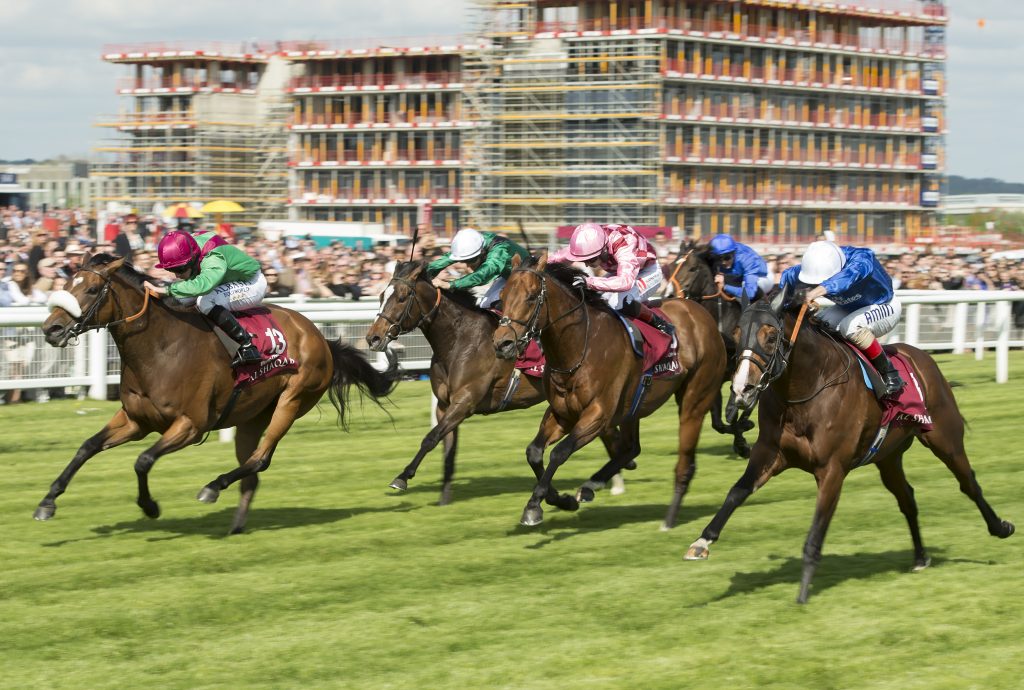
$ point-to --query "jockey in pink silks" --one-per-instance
(632, 272)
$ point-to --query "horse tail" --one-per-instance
(352, 367)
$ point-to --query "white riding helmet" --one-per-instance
(466, 244)
(821, 261)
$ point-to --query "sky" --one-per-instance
(55, 85)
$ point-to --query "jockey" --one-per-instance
(489, 257)
(864, 308)
(631, 264)
(218, 277)
(738, 268)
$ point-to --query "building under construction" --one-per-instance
(770, 119)
(198, 123)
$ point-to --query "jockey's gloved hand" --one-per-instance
(579, 282)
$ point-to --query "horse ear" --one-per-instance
(111, 267)
(779, 300)
(415, 271)
(542, 260)
(516, 260)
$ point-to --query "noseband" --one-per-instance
(395, 328)
(531, 330)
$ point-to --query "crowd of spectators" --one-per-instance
(41, 251)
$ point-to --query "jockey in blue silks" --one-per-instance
(865, 307)
(738, 268)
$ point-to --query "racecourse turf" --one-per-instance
(341, 583)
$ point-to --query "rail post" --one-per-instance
(97, 344)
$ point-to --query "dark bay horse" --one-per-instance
(693, 279)
(816, 413)
(592, 376)
(176, 380)
(465, 375)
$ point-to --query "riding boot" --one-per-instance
(647, 315)
(226, 321)
(890, 377)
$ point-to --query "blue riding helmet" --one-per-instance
(722, 244)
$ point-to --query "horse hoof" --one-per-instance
(44, 512)
(446, 496)
(921, 565)
(1007, 530)
(151, 508)
(742, 450)
(399, 484)
(585, 494)
(631, 465)
(208, 495)
(698, 551)
(568, 503)
(532, 517)
(240, 529)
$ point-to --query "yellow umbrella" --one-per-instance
(223, 206)
(181, 210)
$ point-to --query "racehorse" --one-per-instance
(176, 380)
(592, 376)
(819, 416)
(465, 375)
(694, 280)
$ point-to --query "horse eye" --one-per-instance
(92, 290)
(532, 299)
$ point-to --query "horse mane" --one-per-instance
(565, 273)
(134, 276)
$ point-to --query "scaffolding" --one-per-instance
(572, 129)
(198, 142)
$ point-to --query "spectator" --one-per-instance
(274, 287)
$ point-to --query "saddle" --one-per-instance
(908, 407)
(659, 352)
(269, 339)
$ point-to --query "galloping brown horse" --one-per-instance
(816, 414)
(694, 280)
(592, 376)
(176, 380)
(465, 375)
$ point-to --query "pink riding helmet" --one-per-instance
(587, 241)
(176, 249)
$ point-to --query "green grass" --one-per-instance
(341, 583)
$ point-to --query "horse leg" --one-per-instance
(623, 448)
(550, 431)
(451, 443)
(246, 440)
(585, 431)
(284, 415)
(181, 433)
(764, 463)
(946, 442)
(830, 483)
(741, 425)
(716, 415)
(895, 480)
(448, 419)
(686, 464)
(120, 429)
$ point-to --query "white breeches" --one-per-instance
(237, 296)
(878, 319)
(648, 281)
(488, 293)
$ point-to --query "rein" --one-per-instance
(425, 314)
(530, 326)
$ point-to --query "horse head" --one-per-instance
(401, 307)
(694, 278)
(764, 351)
(523, 296)
(84, 305)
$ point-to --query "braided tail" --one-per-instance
(352, 367)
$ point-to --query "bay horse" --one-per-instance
(694, 280)
(176, 380)
(820, 416)
(592, 376)
(465, 375)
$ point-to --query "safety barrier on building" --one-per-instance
(953, 321)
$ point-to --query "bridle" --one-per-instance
(531, 331)
(772, 367)
(81, 324)
(395, 327)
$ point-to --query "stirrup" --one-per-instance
(246, 354)
(894, 383)
(664, 326)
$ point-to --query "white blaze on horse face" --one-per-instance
(739, 379)
(62, 299)
(385, 296)
(77, 281)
